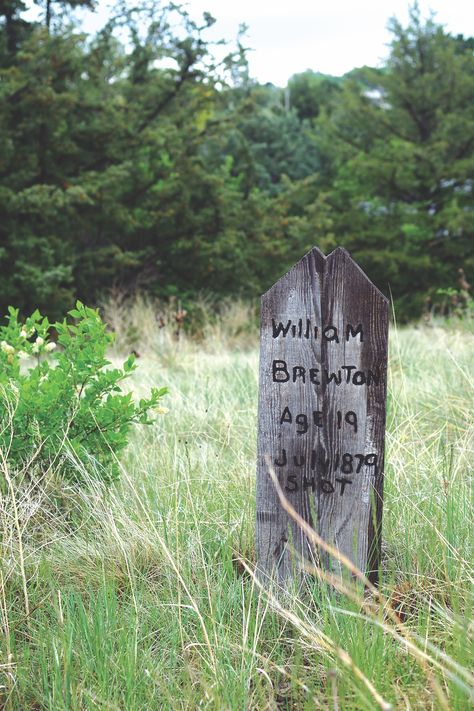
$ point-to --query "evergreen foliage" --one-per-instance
(133, 159)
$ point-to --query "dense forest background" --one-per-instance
(134, 160)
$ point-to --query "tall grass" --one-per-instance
(142, 596)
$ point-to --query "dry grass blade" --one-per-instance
(399, 631)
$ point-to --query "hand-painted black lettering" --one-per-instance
(279, 368)
(330, 334)
(286, 416)
(282, 462)
(371, 460)
(344, 374)
(333, 376)
(343, 482)
(291, 479)
(324, 462)
(353, 332)
(351, 419)
(346, 466)
(303, 327)
(359, 378)
(326, 486)
(299, 372)
(280, 329)
(302, 422)
(348, 368)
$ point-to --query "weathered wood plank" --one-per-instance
(323, 367)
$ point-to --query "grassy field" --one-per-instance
(137, 597)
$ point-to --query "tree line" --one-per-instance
(134, 159)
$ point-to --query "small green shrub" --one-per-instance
(63, 405)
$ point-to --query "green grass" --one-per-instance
(137, 597)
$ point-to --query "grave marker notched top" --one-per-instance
(323, 373)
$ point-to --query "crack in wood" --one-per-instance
(323, 374)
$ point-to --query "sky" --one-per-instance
(330, 36)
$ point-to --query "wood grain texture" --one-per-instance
(331, 364)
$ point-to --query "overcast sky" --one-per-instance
(330, 36)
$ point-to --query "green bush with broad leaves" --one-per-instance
(61, 404)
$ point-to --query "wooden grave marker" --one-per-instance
(321, 422)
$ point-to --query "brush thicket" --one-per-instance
(141, 595)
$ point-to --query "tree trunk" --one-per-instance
(10, 31)
(48, 14)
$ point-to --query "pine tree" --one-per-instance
(401, 187)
